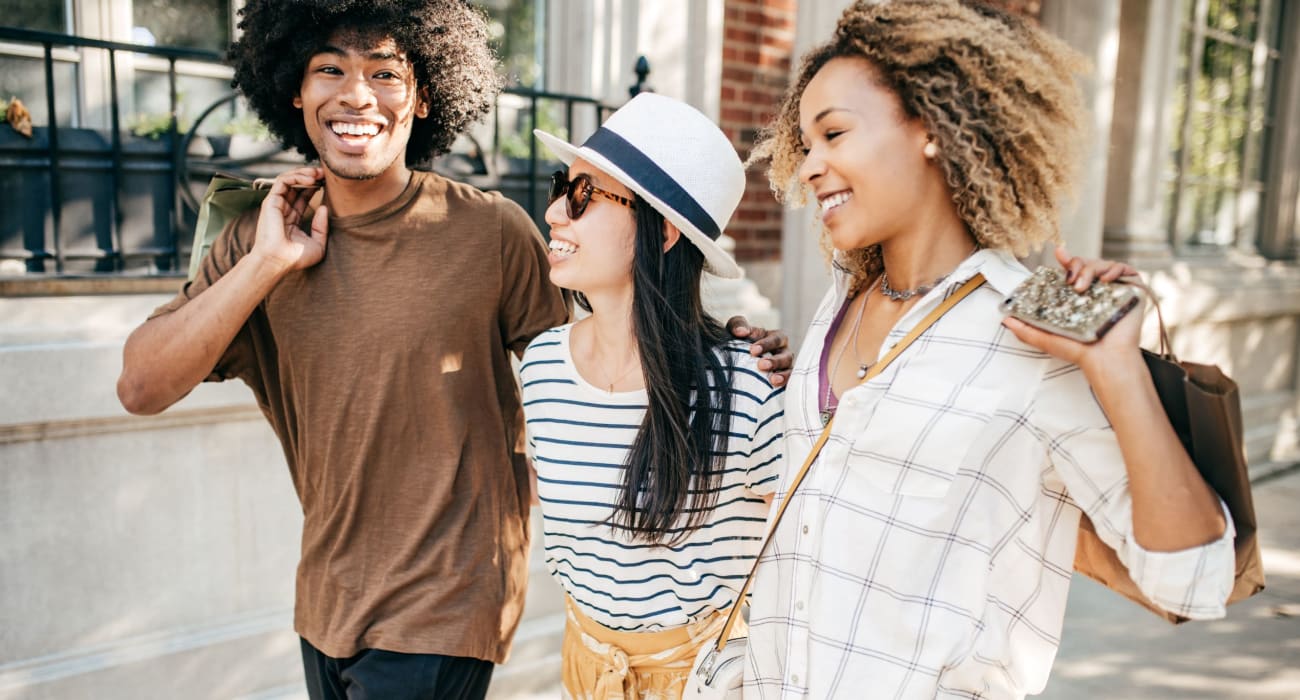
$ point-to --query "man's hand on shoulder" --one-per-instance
(281, 241)
(770, 347)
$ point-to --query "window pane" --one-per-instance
(516, 38)
(194, 94)
(1249, 20)
(1229, 20)
(1262, 132)
(1248, 214)
(195, 24)
(44, 15)
(1212, 16)
(1213, 190)
(24, 78)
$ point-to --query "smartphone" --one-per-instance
(1046, 301)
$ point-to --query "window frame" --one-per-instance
(1268, 60)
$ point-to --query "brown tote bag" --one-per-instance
(1205, 410)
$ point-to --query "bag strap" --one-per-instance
(1166, 347)
(961, 293)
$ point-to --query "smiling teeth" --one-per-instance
(835, 200)
(354, 129)
(563, 248)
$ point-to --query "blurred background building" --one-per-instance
(154, 557)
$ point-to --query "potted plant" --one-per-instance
(243, 136)
(152, 132)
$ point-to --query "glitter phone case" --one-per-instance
(1046, 301)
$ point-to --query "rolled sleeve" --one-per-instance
(1195, 582)
(1083, 450)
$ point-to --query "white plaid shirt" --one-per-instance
(928, 553)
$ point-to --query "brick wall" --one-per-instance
(757, 46)
(757, 50)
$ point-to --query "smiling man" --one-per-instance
(375, 332)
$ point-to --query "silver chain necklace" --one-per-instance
(905, 294)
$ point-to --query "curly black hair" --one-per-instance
(446, 42)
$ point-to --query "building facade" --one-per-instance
(154, 557)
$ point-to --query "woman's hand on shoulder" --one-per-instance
(1117, 347)
(770, 346)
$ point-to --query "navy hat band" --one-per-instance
(650, 176)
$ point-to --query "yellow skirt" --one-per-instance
(604, 664)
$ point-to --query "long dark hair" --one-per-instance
(676, 462)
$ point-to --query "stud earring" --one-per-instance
(930, 150)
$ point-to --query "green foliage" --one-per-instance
(247, 125)
(514, 39)
(515, 144)
(1218, 127)
(4, 109)
(155, 125)
(198, 24)
(41, 16)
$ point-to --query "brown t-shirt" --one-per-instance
(385, 372)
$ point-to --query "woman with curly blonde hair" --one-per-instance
(928, 552)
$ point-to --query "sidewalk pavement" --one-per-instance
(1114, 649)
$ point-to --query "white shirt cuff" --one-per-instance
(1194, 582)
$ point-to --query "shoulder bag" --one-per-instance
(227, 197)
(1205, 410)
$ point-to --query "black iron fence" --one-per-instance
(103, 201)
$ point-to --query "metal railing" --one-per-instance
(54, 155)
(55, 177)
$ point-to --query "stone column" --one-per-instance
(1147, 59)
(1092, 28)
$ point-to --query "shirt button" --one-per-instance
(798, 605)
(805, 529)
(794, 679)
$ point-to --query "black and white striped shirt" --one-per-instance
(579, 437)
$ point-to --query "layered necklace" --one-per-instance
(863, 367)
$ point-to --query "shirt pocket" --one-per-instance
(914, 440)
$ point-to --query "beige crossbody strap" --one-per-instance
(961, 293)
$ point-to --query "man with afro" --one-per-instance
(374, 324)
(375, 330)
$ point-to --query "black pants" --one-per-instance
(374, 674)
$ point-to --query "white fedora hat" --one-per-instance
(675, 158)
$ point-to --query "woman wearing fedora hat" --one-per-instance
(655, 437)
